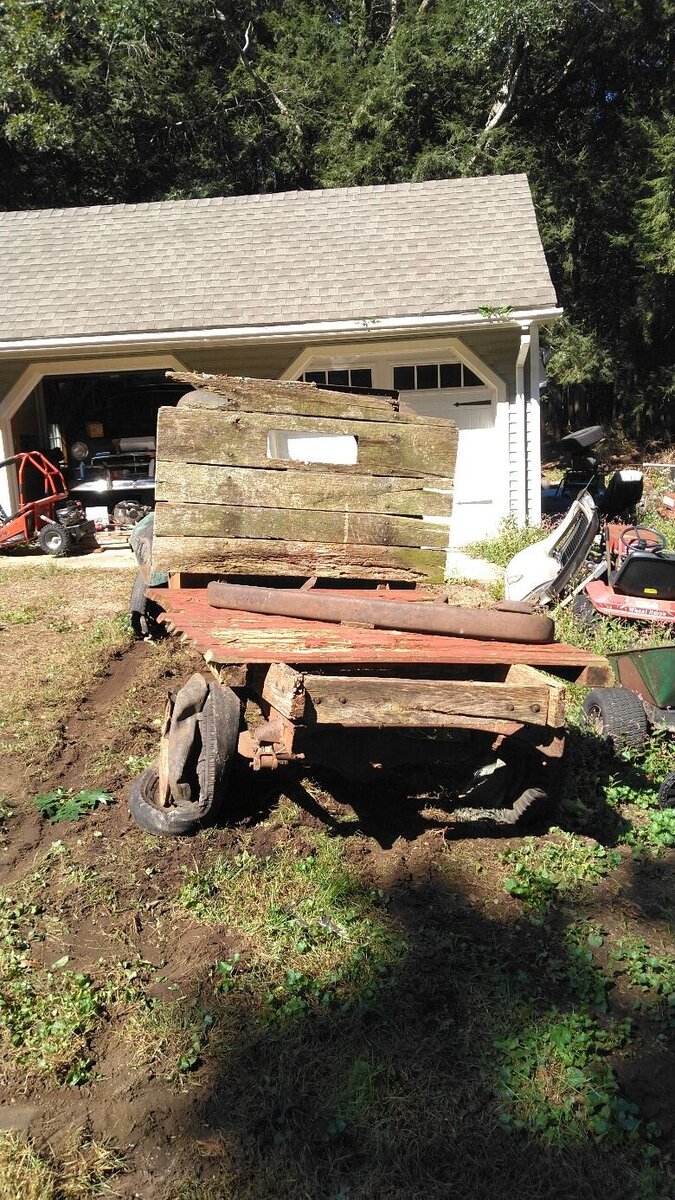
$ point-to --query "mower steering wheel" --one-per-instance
(641, 537)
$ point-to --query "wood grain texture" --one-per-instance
(240, 439)
(302, 525)
(285, 487)
(335, 700)
(290, 396)
(255, 638)
(250, 556)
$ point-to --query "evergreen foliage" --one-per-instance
(132, 100)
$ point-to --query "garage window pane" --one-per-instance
(427, 376)
(404, 378)
(471, 380)
(363, 377)
(341, 378)
(451, 375)
(314, 377)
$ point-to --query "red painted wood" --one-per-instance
(238, 637)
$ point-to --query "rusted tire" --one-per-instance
(204, 780)
(618, 714)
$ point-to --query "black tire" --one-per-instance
(666, 796)
(144, 613)
(53, 539)
(218, 735)
(523, 793)
(618, 714)
(584, 611)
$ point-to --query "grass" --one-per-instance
(60, 644)
(82, 1170)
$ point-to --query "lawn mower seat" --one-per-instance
(622, 494)
(647, 573)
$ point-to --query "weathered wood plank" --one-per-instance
(256, 638)
(283, 487)
(339, 700)
(309, 525)
(282, 688)
(240, 439)
(291, 396)
(249, 556)
(520, 673)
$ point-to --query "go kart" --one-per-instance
(52, 520)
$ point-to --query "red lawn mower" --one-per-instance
(54, 521)
(639, 578)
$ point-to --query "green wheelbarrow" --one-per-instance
(643, 699)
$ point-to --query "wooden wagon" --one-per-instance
(331, 513)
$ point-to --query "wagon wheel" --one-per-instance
(515, 789)
(188, 787)
(144, 613)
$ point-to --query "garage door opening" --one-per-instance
(99, 428)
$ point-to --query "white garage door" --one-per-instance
(477, 471)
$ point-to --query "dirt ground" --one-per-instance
(211, 1080)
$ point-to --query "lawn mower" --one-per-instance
(53, 521)
(636, 581)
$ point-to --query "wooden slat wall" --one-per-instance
(224, 507)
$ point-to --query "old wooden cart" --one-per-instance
(329, 688)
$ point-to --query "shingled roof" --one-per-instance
(403, 250)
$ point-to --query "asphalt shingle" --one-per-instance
(404, 250)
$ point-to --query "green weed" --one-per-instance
(576, 968)
(65, 805)
(317, 932)
(28, 614)
(509, 539)
(641, 968)
(173, 1034)
(542, 871)
(554, 1081)
(657, 833)
(6, 812)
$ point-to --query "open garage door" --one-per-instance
(99, 428)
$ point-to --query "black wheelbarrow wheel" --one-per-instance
(187, 790)
(618, 714)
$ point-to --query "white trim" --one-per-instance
(533, 432)
(520, 428)
(411, 348)
(31, 377)
(371, 326)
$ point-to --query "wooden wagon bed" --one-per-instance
(229, 637)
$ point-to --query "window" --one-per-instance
(427, 376)
(345, 377)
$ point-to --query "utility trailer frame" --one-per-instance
(314, 682)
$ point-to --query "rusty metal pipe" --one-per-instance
(412, 616)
